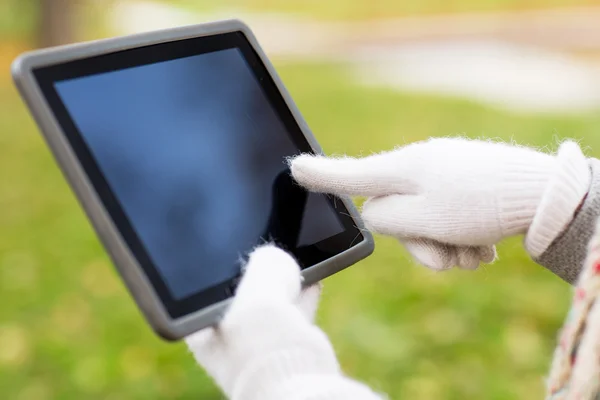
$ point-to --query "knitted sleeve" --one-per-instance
(565, 257)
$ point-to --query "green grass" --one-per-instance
(362, 9)
(18, 18)
(68, 329)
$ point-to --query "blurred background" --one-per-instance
(368, 76)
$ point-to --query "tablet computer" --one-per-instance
(175, 143)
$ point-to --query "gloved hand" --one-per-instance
(267, 347)
(449, 201)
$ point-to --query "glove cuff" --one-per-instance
(265, 376)
(521, 189)
(564, 192)
(319, 387)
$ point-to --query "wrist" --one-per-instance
(562, 197)
(320, 387)
(262, 378)
(525, 181)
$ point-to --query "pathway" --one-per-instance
(526, 61)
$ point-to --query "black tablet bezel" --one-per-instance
(118, 60)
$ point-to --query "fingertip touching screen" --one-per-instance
(186, 146)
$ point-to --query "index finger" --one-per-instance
(375, 175)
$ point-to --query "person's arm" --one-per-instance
(267, 346)
(450, 201)
(576, 364)
(565, 256)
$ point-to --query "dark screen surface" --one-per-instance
(187, 152)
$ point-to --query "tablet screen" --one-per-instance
(192, 151)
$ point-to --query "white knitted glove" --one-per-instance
(267, 347)
(449, 201)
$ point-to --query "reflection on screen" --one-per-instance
(192, 149)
